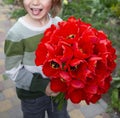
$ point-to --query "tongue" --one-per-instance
(35, 11)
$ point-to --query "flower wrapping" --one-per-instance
(78, 59)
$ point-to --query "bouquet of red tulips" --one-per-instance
(78, 59)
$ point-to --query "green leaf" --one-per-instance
(60, 100)
(116, 78)
(115, 98)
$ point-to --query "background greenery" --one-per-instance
(103, 15)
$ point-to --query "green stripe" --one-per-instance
(13, 48)
(32, 43)
(26, 45)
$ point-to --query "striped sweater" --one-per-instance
(20, 45)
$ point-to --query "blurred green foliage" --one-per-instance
(115, 93)
(108, 3)
(116, 9)
(18, 13)
(9, 1)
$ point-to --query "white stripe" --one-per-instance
(35, 69)
(12, 74)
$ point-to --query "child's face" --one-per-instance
(37, 9)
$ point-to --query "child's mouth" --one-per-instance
(36, 11)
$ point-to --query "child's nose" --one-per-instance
(36, 2)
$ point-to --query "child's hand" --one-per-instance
(49, 92)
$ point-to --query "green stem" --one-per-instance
(60, 100)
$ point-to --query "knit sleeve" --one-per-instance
(14, 52)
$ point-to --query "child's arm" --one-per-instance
(15, 70)
(14, 51)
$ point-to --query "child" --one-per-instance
(32, 86)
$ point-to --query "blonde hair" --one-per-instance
(55, 9)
